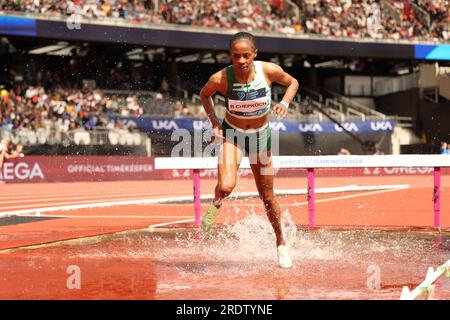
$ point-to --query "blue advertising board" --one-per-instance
(161, 124)
(18, 26)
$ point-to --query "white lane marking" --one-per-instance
(135, 200)
(169, 223)
(345, 197)
(49, 200)
(75, 195)
(91, 204)
(96, 204)
(100, 216)
(97, 237)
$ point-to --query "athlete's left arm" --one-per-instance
(276, 74)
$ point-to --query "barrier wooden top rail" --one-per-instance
(310, 163)
(353, 161)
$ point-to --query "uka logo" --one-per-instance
(164, 125)
(381, 126)
(277, 126)
(349, 126)
(310, 127)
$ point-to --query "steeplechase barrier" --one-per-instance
(311, 164)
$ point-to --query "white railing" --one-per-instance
(183, 91)
(129, 92)
(319, 114)
(403, 122)
(334, 104)
(76, 137)
(341, 108)
(293, 9)
(314, 94)
(389, 10)
(421, 13)
(352, 112)
(219, 100)
(336, 114)
(196, 99)
(356, 106)
(392, 85)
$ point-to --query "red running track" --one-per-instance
(410, 207)
(157, 278)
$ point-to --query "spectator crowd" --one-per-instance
(445, 148)
(62, 110)
(9, 151)
(367, 18)
(56, 106)
(395, 19)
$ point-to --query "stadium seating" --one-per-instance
(385, 19)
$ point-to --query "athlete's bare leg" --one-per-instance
(263, 173)
(229, 159)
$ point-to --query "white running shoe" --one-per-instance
(284, 260)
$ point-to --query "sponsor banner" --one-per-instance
(155, 124)
(18, 26)
(78, 168)
(96, 168)
(322, 172)
(432, 52)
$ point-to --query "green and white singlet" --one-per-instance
(248, 101)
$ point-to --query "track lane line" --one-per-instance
(90, 239)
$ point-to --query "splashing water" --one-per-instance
(248, 245)
(251, 239)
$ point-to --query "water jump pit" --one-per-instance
(236, 261)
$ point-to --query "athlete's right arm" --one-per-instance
(214, 84)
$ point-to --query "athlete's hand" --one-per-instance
(217, 133)
(280, 110)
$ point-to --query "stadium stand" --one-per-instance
(375, 19)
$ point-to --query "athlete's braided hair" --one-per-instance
(245, 36)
